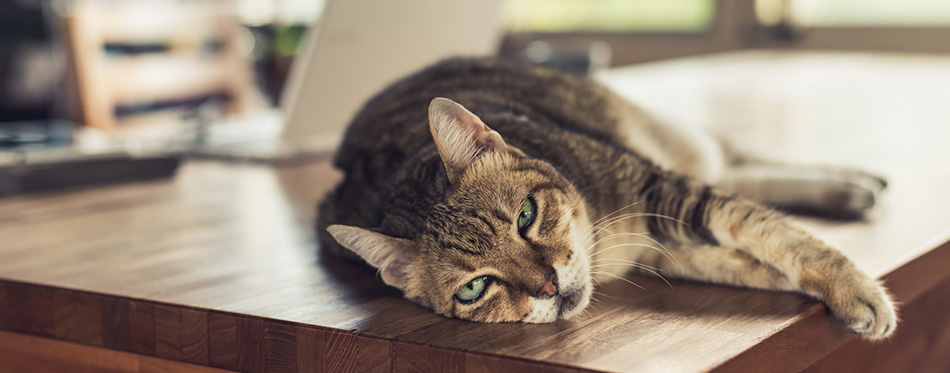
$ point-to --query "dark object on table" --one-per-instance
(34, 171)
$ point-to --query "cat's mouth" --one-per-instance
(572, 302)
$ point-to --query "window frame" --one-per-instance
(735, 26)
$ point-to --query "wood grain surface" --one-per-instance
(218, 267)
(24, 354)
(920, 345)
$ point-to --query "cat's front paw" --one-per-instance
(868, 312)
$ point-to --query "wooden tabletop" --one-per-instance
(218, 266)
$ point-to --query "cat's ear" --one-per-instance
(389, 255)
(460, 136)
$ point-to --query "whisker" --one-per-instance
(615, 235)
(654, 270)
(665, 253)
(639, 214)
(616, 246)
(665, 217)
(624, 261)
(642, 214)
(605, 224)
(602, 218)
(630, 264)
(627, 262)
(600, 227)
(596, 282)
(613, 220)
(623, 279)
(664, 248)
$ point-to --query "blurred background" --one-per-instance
(182, 76)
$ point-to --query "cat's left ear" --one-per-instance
(460, 136)
(390, 255)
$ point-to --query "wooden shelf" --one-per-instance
(218, 267)
(150, 78)
(179, 67)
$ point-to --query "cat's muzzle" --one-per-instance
(567, 302)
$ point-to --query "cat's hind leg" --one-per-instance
(835, 192)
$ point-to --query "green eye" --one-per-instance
(472, 290)
(527, 214)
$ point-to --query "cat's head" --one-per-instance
(508, 242)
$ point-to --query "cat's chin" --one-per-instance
(572, 303)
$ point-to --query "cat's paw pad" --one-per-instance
(871, 315)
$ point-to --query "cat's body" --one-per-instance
(572, 183)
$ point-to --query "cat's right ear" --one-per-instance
(460, 136)
(390, 255)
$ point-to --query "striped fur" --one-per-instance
(436, 187)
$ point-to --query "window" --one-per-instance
(899, 13)
(609, 15)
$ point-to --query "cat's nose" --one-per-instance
(550, 287)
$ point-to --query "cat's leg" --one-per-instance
(695, 215)
(827, 191)
(858, 303)
(714, 264)
(837, 192)
(786, 259)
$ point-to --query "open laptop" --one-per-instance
(355, 49)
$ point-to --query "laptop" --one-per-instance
(355, 49)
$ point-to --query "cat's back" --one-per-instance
(393, 125)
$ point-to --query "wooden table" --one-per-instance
(217, 268)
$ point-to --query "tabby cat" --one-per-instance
(485, 189)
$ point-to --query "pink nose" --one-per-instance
(550, 287)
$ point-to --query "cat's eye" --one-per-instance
(473, 290)
(527, 214)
